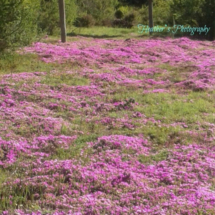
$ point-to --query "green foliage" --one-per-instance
(136, 3)
(119, 14)
(104, 32)
(186, 12)
(162, 13)
(143, 15)
(130, 18)
(74, 150)
(126, 22)
(162, 155)
(84, 21)
(58, 79)
(17, 23)
(21, 21)
(48, 19)
(99, 9)
(195, 13)
(12, 62)
(107, 22)
(125, 9)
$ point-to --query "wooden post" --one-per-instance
(150, 15)
(173, 16)
(173, 24)
(62, 20)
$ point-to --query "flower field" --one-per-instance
(126, 127)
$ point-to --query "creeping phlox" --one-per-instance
(66, 144)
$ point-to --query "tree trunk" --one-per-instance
(150, 15)
(62, 20)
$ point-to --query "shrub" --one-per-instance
(143, 15)
(98, 9)
(195, 13)
(130, 18)
(84, 21)
(107, 22)
(127, 22)
(120, 23)
(17, 23)
(161, 13)
(119, 14)
(48, 14)
(48, 19)
(125, 9)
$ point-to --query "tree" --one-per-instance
(17, 24)
(208, 17)
(150, 14)
(48, 15)
(62, 20)
(137, 3)
(195, 13)
(98, 9)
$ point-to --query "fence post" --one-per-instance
(62, 20)
(150, 15)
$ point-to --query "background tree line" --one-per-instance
(22, 21)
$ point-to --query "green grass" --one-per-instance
(97, 32)
(160, 156)
(74, 151)
(63, 78)
(16, 63)
(13, 62)
(3, 176)
(169, 108)
(174, 107)
(104, 32)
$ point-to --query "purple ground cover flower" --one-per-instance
(121, 171)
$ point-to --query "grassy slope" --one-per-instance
(190, 108)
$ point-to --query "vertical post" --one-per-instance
(173, 24)
(212, 20)
(173, 17)
(62, 20)
(150, 15)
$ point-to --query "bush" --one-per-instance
(125, 9)
(130, 18)
(162, 13)
(48, 19)
(120, 23)
(17, 23)
(107, 22)
(143, 15)
(127, 22)
(119, 14)
(84, 21)
(195, 13)
(48, 15)
(98, 9)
